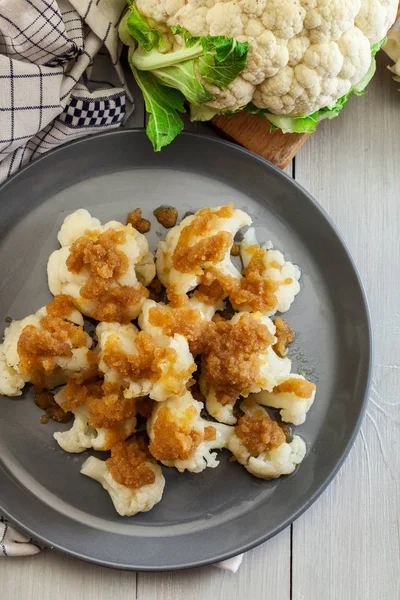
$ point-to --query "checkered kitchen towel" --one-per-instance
(60, 76)
(60, 79)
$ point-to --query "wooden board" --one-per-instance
(254, 134)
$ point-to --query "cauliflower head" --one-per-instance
(200, 241)
(239, 360)
(134, 360)
(294, 397)
(181, 438)
(103, 416)
(294, 62)
(44, 348)
(259, 444)
(392, 49)
(104, 268)
(132, 478)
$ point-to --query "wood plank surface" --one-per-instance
(263, 575)
(53, 576)
(346, 547)
(254, 134)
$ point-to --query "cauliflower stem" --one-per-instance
(166, 79)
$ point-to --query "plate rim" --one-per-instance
(367, 384)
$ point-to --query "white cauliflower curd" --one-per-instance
(103, 416)
(134, 360)
(44, 348)
(294, 396)
(181, 438)
(163, 321)
(132, 478)
(104, 268)
(201, 241)
(294, 62)
(239, 360)
(259, 444)
(280, 278)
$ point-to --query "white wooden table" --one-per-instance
(347, 546)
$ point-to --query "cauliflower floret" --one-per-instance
(101, 419)
(239, 360)
(75, 225)
(11, 382)
(80, 436)
(44, 348)
(221, 412)
(132, 478)
(294, 396)
(258, 443)
(207, 310)
(283, 275)
(180, 438)
(329, 20)
(375, 18)
(163, 321)
(392, 49)
(267, 54)
(159, 10)
(146, 269)
(225, 18)
(104, 268)
(237, 95)
(192, 18)
(201, 240)
(134, 360)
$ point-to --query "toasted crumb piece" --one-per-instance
(259, 434)
(235, 250)
(144, 406)
(284, 334)
(135, 219)
(46, 402)
(167, 216)
(157, 290)
(128, 464)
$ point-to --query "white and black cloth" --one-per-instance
(14, 543)
(60, 76)
(60, 79)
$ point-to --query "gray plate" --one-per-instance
(213, 515)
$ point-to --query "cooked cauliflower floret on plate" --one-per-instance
(270, 283)
(267, 283)
(163, 321)
(132, 478)
(134, 360)
(103, 416)
(294, 396)
(239, 360)
(44, 348)
(104, 268)
(181, 438)
(201, 240)
(259, 444)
